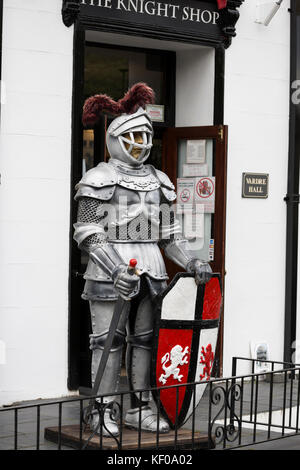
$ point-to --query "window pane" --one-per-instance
(197, 219)
(113, 71)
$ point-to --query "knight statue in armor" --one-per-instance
(125, 211)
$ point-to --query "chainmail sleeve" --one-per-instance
(89, 210)
(91, 236)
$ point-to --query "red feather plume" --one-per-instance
(137, 96)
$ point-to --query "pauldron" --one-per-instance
(100, 182)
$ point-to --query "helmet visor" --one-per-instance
(136, 144)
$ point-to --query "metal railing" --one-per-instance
(270, 415)
(237, 411)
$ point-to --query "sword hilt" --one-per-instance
(131, 267)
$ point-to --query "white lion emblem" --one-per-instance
(178, 357)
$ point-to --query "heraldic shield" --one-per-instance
(185, 339)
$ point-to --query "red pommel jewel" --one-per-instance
(133, 263)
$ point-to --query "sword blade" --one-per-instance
(119, 308)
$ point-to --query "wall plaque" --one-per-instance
(255, 185)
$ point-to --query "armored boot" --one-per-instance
(107, 420)
(146, 418)
(138, 360)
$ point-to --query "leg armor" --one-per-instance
(139, 348)
(138, 358)
(101, 315)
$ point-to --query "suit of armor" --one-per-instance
(125, 211)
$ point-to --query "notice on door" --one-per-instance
(196, 194)
(196, 151)
(156, 112)
(185, 194)
(194, 170)
(205, 193)
(193, 224)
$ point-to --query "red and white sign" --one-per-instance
(196, 194)
(185, 194)
(205, 193)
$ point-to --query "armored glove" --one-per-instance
(126, 284)
(201, 269)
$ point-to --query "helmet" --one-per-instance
(129, 138)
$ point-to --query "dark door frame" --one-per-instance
(76, 171)
(77, 102)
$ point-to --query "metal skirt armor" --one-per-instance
(150, 261)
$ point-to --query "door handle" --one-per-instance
(77, 273)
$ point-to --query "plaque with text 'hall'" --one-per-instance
(255, 185)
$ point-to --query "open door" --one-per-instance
(195, 159)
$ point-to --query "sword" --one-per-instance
(120, 305)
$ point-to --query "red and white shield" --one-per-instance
(185, 341)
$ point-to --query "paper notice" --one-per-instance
(194, 226)
(156, 112)
(196, 151)
(185, 194)
(205, 193)
(194, 169)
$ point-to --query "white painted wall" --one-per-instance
(34, 199)
(257, 111)
(195, 72)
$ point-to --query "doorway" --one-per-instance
(111, 70)
(173, 71)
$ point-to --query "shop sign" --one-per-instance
(184, 16)
(255, 185)
(211, 22)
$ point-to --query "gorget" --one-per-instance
(136, 179)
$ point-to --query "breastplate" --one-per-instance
(134, 207)
(135, 215)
